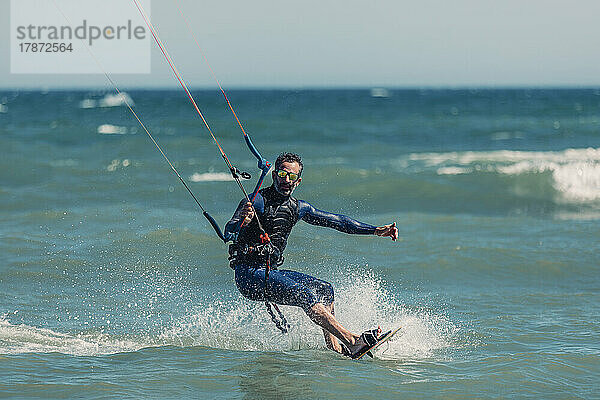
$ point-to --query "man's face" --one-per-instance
(285, 185)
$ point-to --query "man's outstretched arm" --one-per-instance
(343, 223)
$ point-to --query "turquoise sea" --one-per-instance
(112, 284)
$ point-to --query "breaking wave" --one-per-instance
(575, 173)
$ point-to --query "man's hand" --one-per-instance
(387, 230)
(247, 213)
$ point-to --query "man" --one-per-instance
(253, 255)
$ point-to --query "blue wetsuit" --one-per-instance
(278, 214)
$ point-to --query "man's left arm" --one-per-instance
(343, 223)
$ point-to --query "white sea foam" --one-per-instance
(210, 177)
(454, 171)
(16, 339)
(575, 172)
(115, 164)
(364, 302)
(361, 303)
(116, 100)
(87, 103)
(109, 100)
(107, 129)
(578, 181)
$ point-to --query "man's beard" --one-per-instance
(279, 190)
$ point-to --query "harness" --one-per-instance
(256, 256)
(279, 217)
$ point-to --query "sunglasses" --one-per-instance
(282, 174)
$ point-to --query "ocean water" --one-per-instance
(112, 284)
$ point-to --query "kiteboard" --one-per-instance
(380, 340)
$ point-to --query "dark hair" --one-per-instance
(288, 157)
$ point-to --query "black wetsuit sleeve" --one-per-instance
(230, 227)
(233, 222)
(339, 222)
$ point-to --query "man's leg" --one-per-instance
(298, 289)
(330, 340)
(323, 311)
(332, 329)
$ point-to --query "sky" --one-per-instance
(350, 43)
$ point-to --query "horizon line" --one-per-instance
(43, 88)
